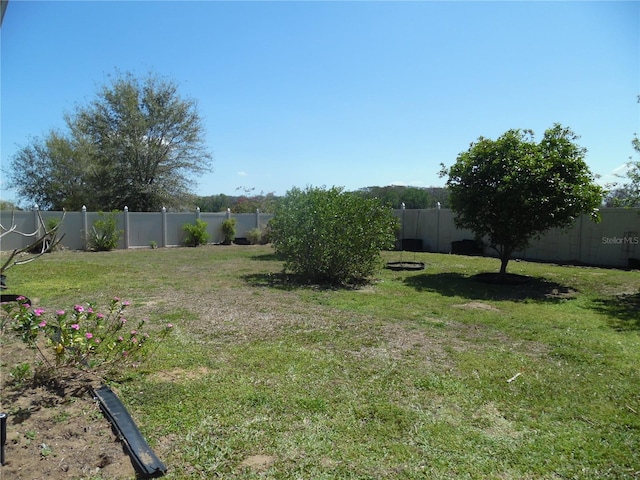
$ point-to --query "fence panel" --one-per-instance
(612, 242)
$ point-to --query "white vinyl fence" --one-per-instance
(139, 229)
(612, 242)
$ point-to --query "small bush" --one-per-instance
(196, 233)
(258, 236)
(229, 230)
(20, 374)
(331, 236)
(254, 236)
(104, 235)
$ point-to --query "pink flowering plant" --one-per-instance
(84, 337)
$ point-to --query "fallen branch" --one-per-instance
(45, 242)
(514, 377)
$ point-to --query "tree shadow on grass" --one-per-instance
(266, 257)
(623, 311)
(456, 284)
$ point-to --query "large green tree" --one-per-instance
(137, 144)
(512, 189)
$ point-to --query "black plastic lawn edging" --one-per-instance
(405, 266)
(144, 460)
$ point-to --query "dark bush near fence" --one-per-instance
(467, 247)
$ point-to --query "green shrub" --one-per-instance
(254, 236)
(82, 337)
(331, 236)
(229, 230)
(196, 233)
(104, 235)
(259, 236)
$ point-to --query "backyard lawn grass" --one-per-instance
(420, 375)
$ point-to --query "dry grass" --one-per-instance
(406, 378)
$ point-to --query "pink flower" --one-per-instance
(78, 308)
(100, 315)
(123, 320)
(60, 312)
(126, 303)
(38, 311)
(134, 340)
(42, 324)
(134, 332)
(120, 339)
(90, 310)
(169, 325)
(75, 326)
(97, 340)
(88, 335)
(21, 297)
(116, 299)
(125, 353)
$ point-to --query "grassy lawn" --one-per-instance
(426, 374)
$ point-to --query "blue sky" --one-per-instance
(351, 94)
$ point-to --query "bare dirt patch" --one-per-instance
(55, 431)
(258, 462)
(478, 306)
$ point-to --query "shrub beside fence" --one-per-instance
(140, 229)
(615, 241)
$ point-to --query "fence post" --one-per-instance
(164, 226)
(85, 229)
(437, 227)
(579, 237)
(197, 213)
(126, 227)
(257, 218)
(228, 213)
(36, 220)
(403, 207)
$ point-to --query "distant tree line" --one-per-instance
(412, 197)
(392, 196)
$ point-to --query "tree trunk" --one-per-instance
(504, 260)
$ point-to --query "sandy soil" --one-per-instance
(55, 431)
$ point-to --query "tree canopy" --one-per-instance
(512, 189)
(137, 144)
